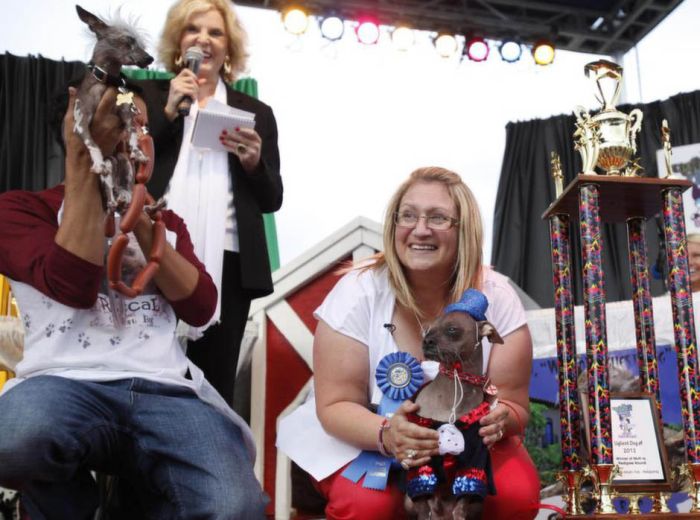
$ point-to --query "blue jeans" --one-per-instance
(184, 457)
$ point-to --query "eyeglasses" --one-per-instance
(408, 219)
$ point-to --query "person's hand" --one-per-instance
(494, 424)
(246, 144)
(184, 84)
(411, 445)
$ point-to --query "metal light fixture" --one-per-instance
(332, 27)
(543, 52)
(510, 51)
(295, 20)
(445, 44)
(367, 31)
(476, 49)
(403, 38)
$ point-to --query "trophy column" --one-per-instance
(643, 310)
(569, 407)
(684, 332)
(596, 345)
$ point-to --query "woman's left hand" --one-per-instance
(494, 424)
(246, 144)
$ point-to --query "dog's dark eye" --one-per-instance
(129, 40)
(453, 332)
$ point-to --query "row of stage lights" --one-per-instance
(296, 21)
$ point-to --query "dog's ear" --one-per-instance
(489, 331)
(93, 22)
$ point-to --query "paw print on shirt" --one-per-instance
(47, 302)
(49, 329)
(144, 335)
(115, 340)
(26, 318)
(83, 340)
(66, 325)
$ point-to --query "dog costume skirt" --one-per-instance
(468, 473)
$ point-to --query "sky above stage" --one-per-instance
(354, 120)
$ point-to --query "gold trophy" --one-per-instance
(608, 139)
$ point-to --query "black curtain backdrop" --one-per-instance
(30, 157)
(521, 238)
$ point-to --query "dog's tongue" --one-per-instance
(430, 369)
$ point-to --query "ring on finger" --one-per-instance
(404, 464)
(241, 148)
(410, 454)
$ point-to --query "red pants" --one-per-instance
(515, 476)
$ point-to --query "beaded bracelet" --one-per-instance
(380, 438)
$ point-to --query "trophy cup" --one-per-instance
(608, 139)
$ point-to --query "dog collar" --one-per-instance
(103, 76)
(455, 371)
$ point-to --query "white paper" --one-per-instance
(216, 118)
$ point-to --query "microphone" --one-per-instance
(390, 327)
(193, 59)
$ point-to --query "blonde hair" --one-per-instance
(175, 22)
(467, 269)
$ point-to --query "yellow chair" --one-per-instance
(8, 308)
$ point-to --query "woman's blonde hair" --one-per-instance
(467, 269)
(175, 22)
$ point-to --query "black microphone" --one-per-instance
(390, 327)
(193, 59)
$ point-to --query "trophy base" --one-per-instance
(694, 473)
(603, 475)
(572, 480)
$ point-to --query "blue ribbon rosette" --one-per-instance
(399, 376)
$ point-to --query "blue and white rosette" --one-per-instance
(399, 376)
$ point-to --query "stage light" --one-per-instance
(403, 38)
(543, 52)
(445, 45)
(476, 49)
(295, 20)
(332, 28)
(510, 51)
(367, 31)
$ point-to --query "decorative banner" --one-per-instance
(399, 376)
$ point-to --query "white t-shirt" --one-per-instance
(359, 306)
(92, 345)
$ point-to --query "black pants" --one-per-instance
(216, 353)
